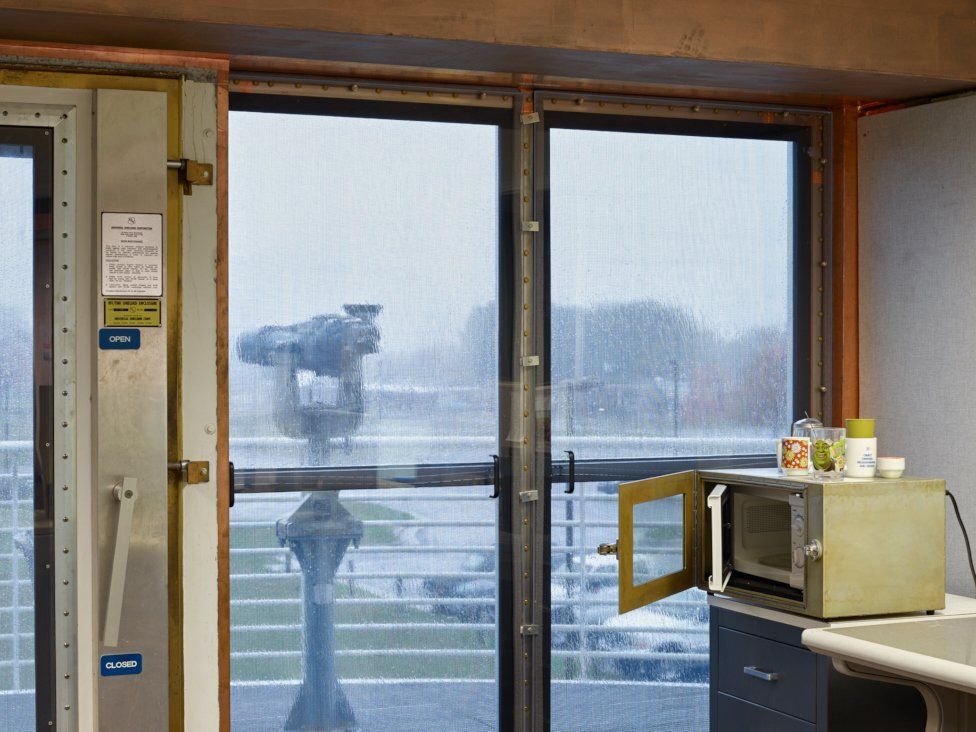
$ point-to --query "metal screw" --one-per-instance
(823, 389)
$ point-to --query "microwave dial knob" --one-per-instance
(813, 550)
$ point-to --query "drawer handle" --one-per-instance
(760, 674)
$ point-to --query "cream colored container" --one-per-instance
(862, 449)
(862, 457)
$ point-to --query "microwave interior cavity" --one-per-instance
(762, 529)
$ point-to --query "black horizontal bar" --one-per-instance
(459, 475)
(592, 471)
(284, 480)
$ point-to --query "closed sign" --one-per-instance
(121, 664)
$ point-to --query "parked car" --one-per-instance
(673, 648)
(441, 589)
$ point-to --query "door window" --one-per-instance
(676, 310)
(26, 414)
(364, 394)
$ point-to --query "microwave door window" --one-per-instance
(654, 545)
(658, 545)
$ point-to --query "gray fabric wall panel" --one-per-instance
(917, 221)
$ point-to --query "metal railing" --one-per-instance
(585, 641)
(16, 569)
(443, 635)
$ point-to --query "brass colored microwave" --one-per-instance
(824, 548)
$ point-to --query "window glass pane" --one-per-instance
(363, 278)
(644, 670)
(16, 438)
(658, 538)
(672, 261)
(408, 618)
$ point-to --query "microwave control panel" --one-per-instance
(798, 538)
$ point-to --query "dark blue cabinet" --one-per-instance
(764, 680)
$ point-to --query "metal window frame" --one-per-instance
(492, 106)
(528, 471)
(61, 121)
(811, 240)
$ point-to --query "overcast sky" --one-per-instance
(331, 210)
(16, 243)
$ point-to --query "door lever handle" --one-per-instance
(125, 494)
(572, 471)
(496, 476)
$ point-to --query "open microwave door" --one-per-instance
(654, 546)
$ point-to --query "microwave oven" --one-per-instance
(834, 548)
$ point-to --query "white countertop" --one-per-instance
(939, 648)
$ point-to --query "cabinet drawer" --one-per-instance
(735, 715)
(792, 686)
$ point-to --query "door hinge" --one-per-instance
(192, 173)
(530, 226)
(531, 118)
(528, 496)
(192, 472)
(527, 361)
(530, 629)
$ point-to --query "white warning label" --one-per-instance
(132, 254)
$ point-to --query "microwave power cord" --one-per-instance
(965, 536)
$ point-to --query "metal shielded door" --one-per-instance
(656, 519)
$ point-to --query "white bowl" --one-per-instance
(891, 467)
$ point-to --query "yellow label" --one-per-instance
(132, 313)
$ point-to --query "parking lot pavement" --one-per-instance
(471, 707)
